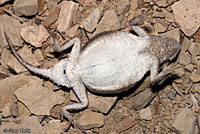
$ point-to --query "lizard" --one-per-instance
(110, 63)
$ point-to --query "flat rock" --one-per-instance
(179, 72)
(163, 3)
(142, 99)
(23, 110)
(122, 8)
(34, 35)
(194, 77)
(90, 23)
(72, 31)
(168, 16)
(55, 127)
(23, 124)
(185, 45)
(190, 67)
(67, 15)
(159, 27)
(133, 5)
(184, 121)
(12, 27)
(3, 1)
(37, 98)
(6, 112)
(197, 36)
(174, 34)
(9, 85)
(145, 114)
(187, 11)
(194, 48)
(27, 55)
(89, 119)
(38, 54)
(108, 22)
(125, 124)
(184, 58)
(4, 72)
(98, 103)
(25, 8)
(52, 17)
(158, 14)
(197, 87)
(5, 57)
(52, 4)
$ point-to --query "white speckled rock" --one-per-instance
(187, 14)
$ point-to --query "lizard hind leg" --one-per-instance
(80, 91)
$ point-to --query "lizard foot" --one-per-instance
(167, 70)
(66, 114)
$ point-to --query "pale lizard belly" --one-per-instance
(113, 67)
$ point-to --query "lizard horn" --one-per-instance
(36, 70)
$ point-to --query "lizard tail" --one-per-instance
(36, 70)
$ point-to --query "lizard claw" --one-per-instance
(66, 114)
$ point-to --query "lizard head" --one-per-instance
(164, 48)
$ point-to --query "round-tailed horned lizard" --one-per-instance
(110, 63)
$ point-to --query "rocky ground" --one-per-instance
(30, 104)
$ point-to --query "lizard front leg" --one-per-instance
(59, 48)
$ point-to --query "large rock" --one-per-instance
(187, 14)
(12, 27)
(37, 98)
(194, 48)
(67, 15)
(184, 121)
(89, 119)
(23, 124)
(195, 77)
(55, 127)
(108, 22)
(143, 98)
(34, 35)
(174, 34)
(90, 23)
(8, 87)
(25, 7)
(122, 8)
(52, 17)
(184, 58)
